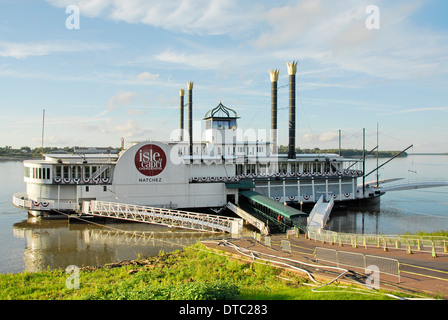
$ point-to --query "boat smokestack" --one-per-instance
(292, 69)
(190, 117)
(274, 80)
(181, 93)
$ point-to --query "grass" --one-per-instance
(194, 273)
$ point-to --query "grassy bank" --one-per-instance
(194, 273)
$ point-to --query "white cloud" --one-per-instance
(323, 137)
(20, 50)
(412, 110)
(120, 99)
(209, 17)
(334, 33)
(144, 76)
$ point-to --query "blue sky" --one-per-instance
(119, 74)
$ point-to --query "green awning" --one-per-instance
(245, 184)
(278, 208)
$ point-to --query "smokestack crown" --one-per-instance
(181, 92)
(190, 85)
(292, 67)
(274, 75)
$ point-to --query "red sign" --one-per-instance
(150, 160)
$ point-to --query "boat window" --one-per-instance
(65, 172)
(221, 124)
(85, 172)
(208, 124)
(293, 167)
(306, 167)
(58, 172)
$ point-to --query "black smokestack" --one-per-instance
(274, 79)
(181, 93)
(292, 69)
(190, 117)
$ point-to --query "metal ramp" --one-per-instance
(162, 216)
(249, 218)
(319, 215)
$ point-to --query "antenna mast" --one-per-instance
(43, 130)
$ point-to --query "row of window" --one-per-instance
(219, 150)
(68, 172)
(293, 167)
(37, 173)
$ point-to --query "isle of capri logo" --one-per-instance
(150, 160)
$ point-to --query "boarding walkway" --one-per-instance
(320, 214)
(277, 216)
(162, 216)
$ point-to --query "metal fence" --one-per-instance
(357, 260)
(411, 243)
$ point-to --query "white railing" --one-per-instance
(162, 216)
(20, 200)
(410, 243)
(359, 260)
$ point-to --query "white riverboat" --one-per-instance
(186, 174)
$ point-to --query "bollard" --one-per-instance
(409, 247)
(385, 245)
(433, 251)
(445, 249)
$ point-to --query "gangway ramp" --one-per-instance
(279, 217)
(249, 218)
(163, 216)
(319, 215)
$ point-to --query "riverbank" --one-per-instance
(193, 273)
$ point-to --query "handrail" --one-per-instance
(163, 216)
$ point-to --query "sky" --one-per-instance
(110, 69)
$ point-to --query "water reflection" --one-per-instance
(60, 243)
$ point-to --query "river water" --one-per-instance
(33, 244)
